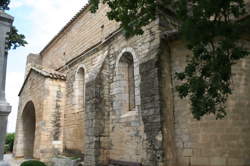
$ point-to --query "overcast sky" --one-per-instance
(39, 21)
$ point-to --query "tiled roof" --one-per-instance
(49, 73)
(45, 73)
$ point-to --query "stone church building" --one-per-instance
(94, 94)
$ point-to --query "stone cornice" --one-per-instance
(6, 17)
(5, 108)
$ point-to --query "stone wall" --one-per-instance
(34, 85)
(102, 129)
(111, 132)
(118, 101)
(130, 137)
(87, 30)
(46, 96)
(74, 115)
(32, 61)
(76, 121)
(5, 108)
(208, 142)
(127, 129)
(53, 115)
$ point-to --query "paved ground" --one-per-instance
(13, 162)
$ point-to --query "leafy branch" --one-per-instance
(4, 4)
(14, 38)
(213, 32)
(132, 15)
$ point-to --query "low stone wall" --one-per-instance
(65, 161)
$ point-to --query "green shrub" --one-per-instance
(33, 163)
(6, 149)
(9, 141)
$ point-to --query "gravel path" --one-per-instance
(13, 162)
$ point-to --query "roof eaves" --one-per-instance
(46, 74)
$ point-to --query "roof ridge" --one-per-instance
(45, 73)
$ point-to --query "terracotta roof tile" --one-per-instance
(47, 73)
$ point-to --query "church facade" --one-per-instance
(94, 94)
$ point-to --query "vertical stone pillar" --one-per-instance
(5, 25)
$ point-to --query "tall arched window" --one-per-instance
(127, 81)
(79, 127)
(126, 102)
(80, 89)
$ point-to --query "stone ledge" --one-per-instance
(5, 108)
(3, 163)
(6, 17)
(66, 161)
(129, 114)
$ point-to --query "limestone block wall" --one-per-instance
(87, 30)
(53, 116)
(47, 97)
(74, 114)
(107, 131)
(211, 142)
(134, 135)
(34, 85)
(33, 60)
(81, 124)
(98, 130)
(76, 123)
(127, 129)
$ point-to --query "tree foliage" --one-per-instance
(15, 39)
(212, 30)
(4, 4)
(132, 15)
(9, 141)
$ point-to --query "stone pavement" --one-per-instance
(12, 162)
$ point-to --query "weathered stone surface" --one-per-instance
(210, 142)
(46, 96)
(5, 25)
(64, 161)
(3, 127)
(117, 101)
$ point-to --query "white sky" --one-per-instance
(39, 21)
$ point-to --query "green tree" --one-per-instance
(212, 30)
(4, 4)
(9, 141)
(15, 39)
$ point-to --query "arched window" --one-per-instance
(80, 89)
(126, 104)
(79, 115)
(127, 81)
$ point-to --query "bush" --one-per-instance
(33, 163)
(6, 149)
(9, 141)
